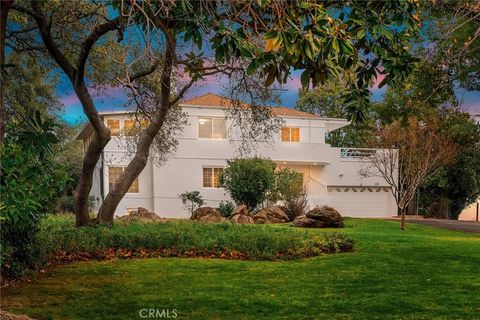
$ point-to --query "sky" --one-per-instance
(114, 98)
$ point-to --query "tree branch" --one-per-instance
(88, 43)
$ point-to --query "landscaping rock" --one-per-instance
(271, 214)
(142, 215)
(241, 209)
(213, 219)
(305, 222)
(328, 215)
(242, 219)
(202, 212)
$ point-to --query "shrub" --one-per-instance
(290, 189)
(192, 200)
(248, 181)
(62, 241)
(31, 182)
(226, 208)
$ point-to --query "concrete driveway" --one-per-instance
(466, 226)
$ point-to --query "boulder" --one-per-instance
(271, 214)
(142, 215)
(328, 215)
(241, 218)
(213, 219)
(204, 211)
(305, 222)
(241, 209)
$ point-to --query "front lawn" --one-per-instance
(423, 273)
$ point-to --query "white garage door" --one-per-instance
(363, 201)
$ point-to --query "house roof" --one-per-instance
(212, 100)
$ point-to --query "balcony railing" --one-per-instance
(356, 153)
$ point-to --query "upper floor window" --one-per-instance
(290, 134)
(211, 177)
(128, 127)
(212, 128)
(114, 173)
(114, 126)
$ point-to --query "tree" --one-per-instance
(271, 37)
(457, 185)
(330, 100)
(192, 200)
(407, 155)
(248, 181)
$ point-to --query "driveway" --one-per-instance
(466, 226)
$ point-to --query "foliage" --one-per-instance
(326, 100)
(192, 200)
(457, 184)
(226, 208)
(320, 39)
(452, 33)
(330, 100)
(359, 285)
(31, 182)
(290, 189)
(60, 239)
(248, 180)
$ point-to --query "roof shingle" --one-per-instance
(216, 101)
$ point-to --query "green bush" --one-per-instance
(31, 182)
(248, 181)
(290, 189)
(62, 240)
(226, 208)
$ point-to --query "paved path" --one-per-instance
(466, 226)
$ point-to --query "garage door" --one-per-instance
(363, 201)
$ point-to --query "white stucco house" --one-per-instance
(330, 174)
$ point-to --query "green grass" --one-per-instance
(423, 273)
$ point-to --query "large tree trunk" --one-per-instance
(138, 163)
(92, 155)
(4, 8)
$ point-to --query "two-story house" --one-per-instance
(330, 174)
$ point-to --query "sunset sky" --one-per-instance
(115, 97)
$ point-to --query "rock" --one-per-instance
(305, 222)
(142, 215)
(271, 214)
(205, 211)
(241, 218)
(328, 215)
(241, 209)
(213, 219)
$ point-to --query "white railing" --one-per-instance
(356, 153)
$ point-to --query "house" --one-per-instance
(330, 174)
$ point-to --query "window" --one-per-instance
(212, 128)
(114, 173)
(114, 126)
(129, 126)
(290, 134)
(211, 177)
